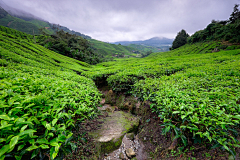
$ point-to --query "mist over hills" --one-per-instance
(26, 22)
(19, 13)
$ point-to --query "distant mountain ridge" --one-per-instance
(154, 42)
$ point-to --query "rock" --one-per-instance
(121, 156)
(130, 136)
(130, 153)
(115, 126)
(107, 108)
(110, 109)
(127, 105)
(88, 128)
(102, 101)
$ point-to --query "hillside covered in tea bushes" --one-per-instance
(42, 98)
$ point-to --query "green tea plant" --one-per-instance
(200, 103)
(37, 113)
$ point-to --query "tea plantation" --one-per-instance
(195, 93)
(41, 98)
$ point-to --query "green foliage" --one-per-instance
(180, 39)
(144, 49)
(220, 30)
(146, 54)
(112, 50)
(194, 92)
(19, 24)
(3, 13)
(39, 111)
(235, 16)
(41, 98)
(70, 45)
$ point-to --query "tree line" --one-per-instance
(227, 30)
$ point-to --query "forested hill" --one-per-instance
(52, 37)
(88, 50)
(28, 23)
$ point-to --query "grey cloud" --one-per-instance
(115, 20)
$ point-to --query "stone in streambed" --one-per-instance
(130, 153)
(116, 125)
(107, 108)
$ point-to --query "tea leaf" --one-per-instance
(13, 141)
(4, 149)
(31, 148)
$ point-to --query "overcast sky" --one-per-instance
(117, 20)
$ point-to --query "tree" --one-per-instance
(235, 14)
(180, 40)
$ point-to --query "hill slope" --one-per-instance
(41, 98)
(32, 25)
(112, 50)
(26, 22)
